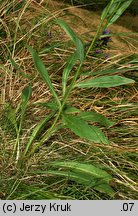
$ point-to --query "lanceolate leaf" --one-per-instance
(74, 38)
(86, 169)
(114, 10)
(96, 117)
(86, 174)
(105, 188)
(43, 72)
(83, 130)
(71, 110)
(120, 11)
(105, 82)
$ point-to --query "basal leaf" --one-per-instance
(85, 174)
(86, 169)
(105, 82)
(83, 130)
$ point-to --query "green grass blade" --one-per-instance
(26, 94)
(49, 48)
(74, 38)
(44, 73)
(18, 68)
(11, 115)
(83, 130)
(96, 117)
(105, 82)
(29, 191)
(36, 131)
(69, 66)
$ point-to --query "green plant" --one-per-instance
(78, 125)
(82, 173)
(65, 115)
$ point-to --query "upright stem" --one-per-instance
(71, 85)
(51, 129)
(94, 39)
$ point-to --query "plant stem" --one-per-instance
(51, 129)
(94, 39)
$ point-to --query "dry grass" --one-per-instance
(118, 104)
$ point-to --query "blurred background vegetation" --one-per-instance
(100, 4)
